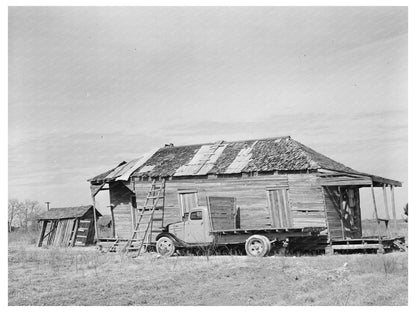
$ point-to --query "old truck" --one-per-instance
(217, 224)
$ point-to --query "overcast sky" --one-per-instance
(90, 87)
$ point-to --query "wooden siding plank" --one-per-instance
(286, 207)
(222, 211)
(58, 238)
(305, 194)
(273, 207)
(280, 206)
(67, 232)
(345, 181)
(74, 233)
(42, 232)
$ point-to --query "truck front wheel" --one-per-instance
(258, 246)
(165, 246)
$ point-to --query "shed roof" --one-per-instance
(262, 155)
(67, 213)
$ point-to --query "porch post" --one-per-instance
(95, 218)
(113, 225)
(133, 206)
(341, 212)
(393, 208)
(375, 210)
(133, 218)
(94, 192)
(386, 209)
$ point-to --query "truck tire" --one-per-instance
(165, 246)
(258, 246)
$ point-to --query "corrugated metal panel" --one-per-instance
(125, 175)
(146, 168)
(196, 162)
(203, 160)
(122, 169)
(211, 160)
(242, 159)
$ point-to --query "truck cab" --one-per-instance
(194, 229)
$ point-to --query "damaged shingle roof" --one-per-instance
(271, 154)
(66, 213)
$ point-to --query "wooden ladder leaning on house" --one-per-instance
(148, 223)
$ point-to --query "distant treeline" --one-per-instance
(23, 215)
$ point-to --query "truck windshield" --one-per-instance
(196, 215)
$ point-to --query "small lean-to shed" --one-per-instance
(277, 182)
(70, 226)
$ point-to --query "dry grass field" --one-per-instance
(370, 228)
(84, 276)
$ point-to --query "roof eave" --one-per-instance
(383, 181)
(377, 181)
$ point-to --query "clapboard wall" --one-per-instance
(249, 192)
(304, 199)
(60, 232)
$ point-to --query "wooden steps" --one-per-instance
(367, 244)
(400, 244)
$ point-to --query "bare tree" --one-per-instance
(14, 208)
(23, 212)
(28, 213)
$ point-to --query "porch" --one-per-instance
(342, 189)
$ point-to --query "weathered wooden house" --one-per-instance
(277, 182)
(72, 226)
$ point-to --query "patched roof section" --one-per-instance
(124, 170)
(104, 175)
(168, 160)
(271, 154)
(242, 159)
(203, 160)
(66, 213)
(228, 156)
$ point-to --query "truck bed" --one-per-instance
(314, 230)
(239, 236)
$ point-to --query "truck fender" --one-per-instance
(176, 241)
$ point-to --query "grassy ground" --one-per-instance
(84, 276)
(370, 228)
